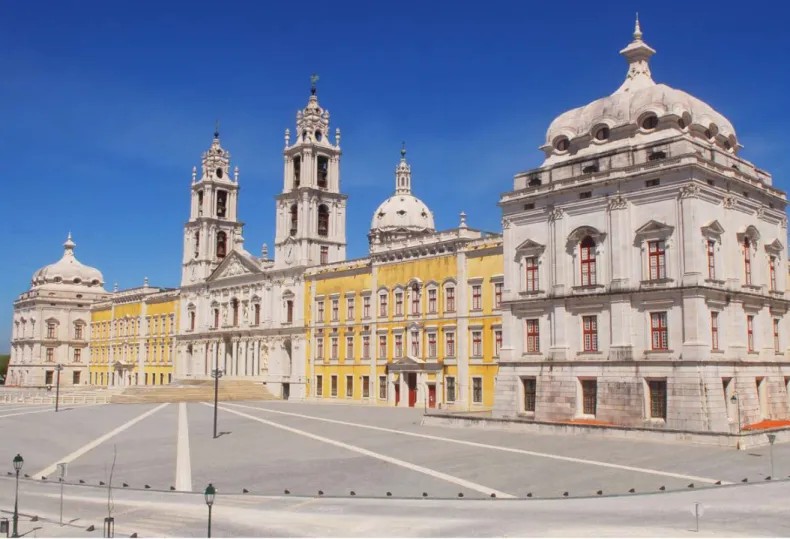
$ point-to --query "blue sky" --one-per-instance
(108, 105)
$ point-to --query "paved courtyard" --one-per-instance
(268, 448)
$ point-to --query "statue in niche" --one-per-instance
(264, 358)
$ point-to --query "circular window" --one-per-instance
(219, 173)
(562, 144)
(77, 280)
(650, 121)
(602, 133)
(682, 123)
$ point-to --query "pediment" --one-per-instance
(529, 245)
(713, 228)
(408, 360)
(653, 228)
(233, 266)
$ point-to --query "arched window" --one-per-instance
(294, 219)
(234, 304)
(323, 171)
(222, 203)
(200, 203)
(222, 242)
(216, 316)
(192, 320)
(297, 171)
(747, 260)
(323, 221)
(587, 248)
(197, 243)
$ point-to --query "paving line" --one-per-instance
(408, 465)
(50, 408)
(183, 462)
(495, 447)
(100, 440)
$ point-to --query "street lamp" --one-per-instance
(58, 368)
(209, 494)
(734, 400)
(18, 462)
(216, 374)
(771, 440)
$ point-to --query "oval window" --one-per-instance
(602, 133)
(682, 123)
(650, 122)
(562, 144)
(77, 280)
(219, 173)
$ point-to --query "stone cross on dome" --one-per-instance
(638, 54)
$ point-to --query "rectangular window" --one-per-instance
(589, 396)
(498, 295)
(450, 344)
(747, 261)
(776, 335)
(75, 377)
(477, 297)
(77, 355)
(50, 330)
(50, 355)
(319, 348)
(383, 387)
(366, 387)
(324, 255)
(714, 331)
(334, 350)
(657, 254)
(530, 386)
(658, 331)
(432, 345)
(333, 386)
(383, 304)
(772, 272)
(319, 386)
(366, 307)
(366, 346)
(415, 344)
(658, 399)
(335, 309)
(349, 309)
(415, 301)
(216, 319)
(349, 386)
(449, 382)
(289, 311)
(477, 390)
(477, 343)
(450, 299)
(588, 265)
(78, 328)
(48, 377)
(382, 347)
(349, 348)
(750, 332)
(398, 345)
(497, 342)
(711, 259)
(398, 303)
(432, 301)
(533, 336)
(531, 265)
(257, 314)
(320, 310)
(590, 333)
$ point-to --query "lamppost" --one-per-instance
(771, 440)
(18, 462)
(58, 368)
(216, 374)
(734, 400)
(209, 494)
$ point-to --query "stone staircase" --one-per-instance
(195, 391)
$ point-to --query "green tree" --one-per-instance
(4, 359)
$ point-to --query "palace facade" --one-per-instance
(645, 269)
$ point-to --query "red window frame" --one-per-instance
(750, 333)
(334, 350)
(324, 255)
(366, 346)
(399, 345)
(320, 311)
(382, 346)
(451, 299)
(747, 261)
(450, 339)
(590, 333)
(533, 336)
(415, 301)
(477, 297)
(383, 304)
(366, 307)
(658, 331)
(415, 344)
(714, 330)
(498, 295)
(319, 348)
(349, 347)
(497, 342)
(335, 309)
(432, 345)
(477, 343)
(432, 300)
(350, 309)
(657, 259)
(587, 248)
(711, 249)
(398, 303)
(531, 267)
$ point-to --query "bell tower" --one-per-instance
(213, 224)
(311, 210)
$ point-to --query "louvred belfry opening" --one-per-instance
(323, 220)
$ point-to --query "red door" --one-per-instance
(432, 396)
(412, 381)
(397, 392)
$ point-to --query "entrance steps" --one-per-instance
(194, 391)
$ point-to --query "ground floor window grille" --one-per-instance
(658, 399)
(450, 382)
(477, 390)
(530, 393)
(365, 387)
(589, 396)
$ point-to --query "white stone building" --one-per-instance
(245, 314)
(51, 323)
(645, 269)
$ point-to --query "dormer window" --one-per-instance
(650, 122)
(562, 144)
(602, 133)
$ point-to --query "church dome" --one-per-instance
(402, 214)
(642, 105)
(68, 270)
